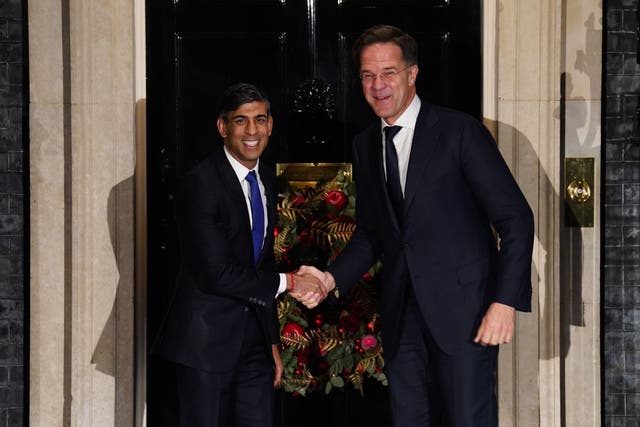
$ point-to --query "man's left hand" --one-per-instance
(497, 325)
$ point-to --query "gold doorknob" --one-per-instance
(579, 191)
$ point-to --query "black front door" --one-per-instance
(299, 52)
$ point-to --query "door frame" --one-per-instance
(500, 72)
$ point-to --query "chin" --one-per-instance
(379, 112)
(383, 111)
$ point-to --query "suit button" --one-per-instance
(246, 309)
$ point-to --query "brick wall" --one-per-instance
(12, 102)
(621, 278)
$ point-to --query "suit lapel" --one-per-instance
(230, 181)
(425, 138)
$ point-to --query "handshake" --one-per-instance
(309, 285)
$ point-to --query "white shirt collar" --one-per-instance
(409, 116)
(240, 170)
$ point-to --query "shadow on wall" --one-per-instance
(574, 114)
(571, 242)
(114, 352)
(587, 63)
(578, 128)
(579, 133)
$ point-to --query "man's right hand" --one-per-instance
(306, 288)
(325, 277)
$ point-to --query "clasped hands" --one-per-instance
(310, 286)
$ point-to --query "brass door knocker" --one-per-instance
(579, 190)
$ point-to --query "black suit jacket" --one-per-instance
(219, 288)
(457, 187)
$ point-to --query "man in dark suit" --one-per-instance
(432, 188)
(222, 330)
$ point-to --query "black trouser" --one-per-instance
(428, 387)
(243, 397)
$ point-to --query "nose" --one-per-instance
(378, 82)
(251, 127)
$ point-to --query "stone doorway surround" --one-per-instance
(87, 97)
(87, 207)
(542, 101)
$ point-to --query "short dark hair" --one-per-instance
(382, 33)
(238, 94)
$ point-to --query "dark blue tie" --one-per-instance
(257, 214)
(393, 174)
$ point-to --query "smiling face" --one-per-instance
(393, 85)
(246, 132)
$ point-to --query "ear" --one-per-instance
(413, 73)
(222, 127)
(269, 125)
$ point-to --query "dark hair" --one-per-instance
(386, 34)
(238, 94)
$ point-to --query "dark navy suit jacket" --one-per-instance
(219, 288)
(458, 186)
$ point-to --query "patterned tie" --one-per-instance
(257, 213)
(393, 175)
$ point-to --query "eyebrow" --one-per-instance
(390, 67)
(243, 116)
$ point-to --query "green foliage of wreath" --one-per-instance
(338, 343)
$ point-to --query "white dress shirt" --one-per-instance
(403, 139)
(241, 172)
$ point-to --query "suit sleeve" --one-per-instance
(495, 188)
(275, 325)
(360, 253)
(207, 252)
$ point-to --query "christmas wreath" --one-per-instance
(338, 343)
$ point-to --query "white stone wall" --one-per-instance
(544, 78)
(83, 158)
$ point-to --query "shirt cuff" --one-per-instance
(283, 284)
